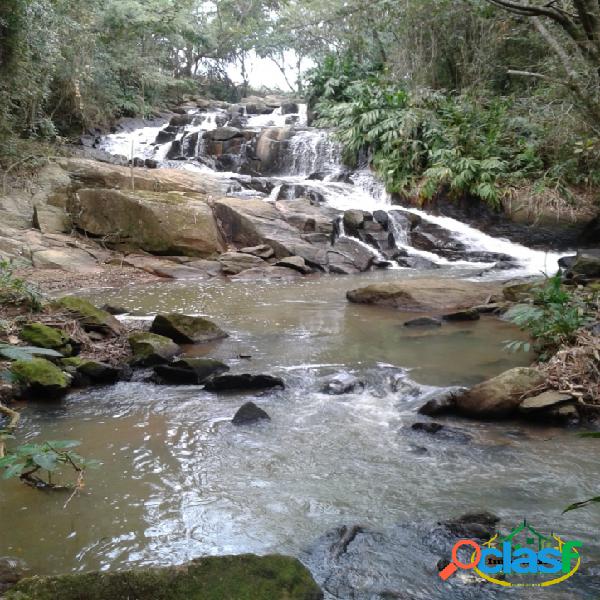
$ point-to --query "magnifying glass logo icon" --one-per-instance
(457, 564)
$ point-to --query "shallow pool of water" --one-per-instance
(179, 481)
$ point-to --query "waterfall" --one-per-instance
(312, 151)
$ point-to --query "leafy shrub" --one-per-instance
(37, 464)
(14, 290)
(552, 320)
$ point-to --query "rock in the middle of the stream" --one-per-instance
(185, 329)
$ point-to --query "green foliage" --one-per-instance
(14, 290)
(552, 320)
(37, 464)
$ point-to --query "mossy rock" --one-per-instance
(93, 372)
(521, 291)
(150, 349)
(44, 336)
(185, 329)
(90, 317)
(244, 577)
(40, 379)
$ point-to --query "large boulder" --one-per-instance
(39, 379)
(162, 223)
(149, 349)
(185, 329)
(269, 148)
(424, 294)
(88, 316)
(500, 396)
(244, 577)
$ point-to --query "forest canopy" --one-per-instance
(476, 95)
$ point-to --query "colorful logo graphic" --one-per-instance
(523, 558)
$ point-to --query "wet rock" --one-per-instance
(587, 264)
(243, 381)
(423, 322)
(416, 262)
(39, 379)
(43, 336)
(297, 263)
(150, 163)
(544, 402)
(166, 135)
(500, 396)
(566, 262)
(12, 570)
(149, 349)
(89, 317)
(441, 404)
(112, 309)
(424, 294)
(91, 372)
(211, 268)
(270, 147)
(382, 218)
(263, 251)
(491, 308)
(190, 371)
(354, 220)
(480, 526)
(349, 254)
(233, 263)
(270, 577)
(288, 108)
(342, 383)
(181, 120)
(185, 329)
(462, 315)
(431, 427)
(249, 413)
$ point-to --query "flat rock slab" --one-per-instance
(425, 294)
(71, 260)
(544, 401)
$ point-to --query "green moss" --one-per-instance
(43, 336)
(245, 577)
(89, 316)
(185, 329)
(39, 376)
(151, 349)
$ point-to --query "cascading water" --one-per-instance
(311, 160)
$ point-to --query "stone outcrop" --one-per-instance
(425, 294)
(163, 223)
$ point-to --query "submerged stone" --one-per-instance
(244, 577)
(190, 371)
(463, 315)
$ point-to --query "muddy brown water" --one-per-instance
(179, 481)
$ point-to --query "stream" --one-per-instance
(179, 481)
